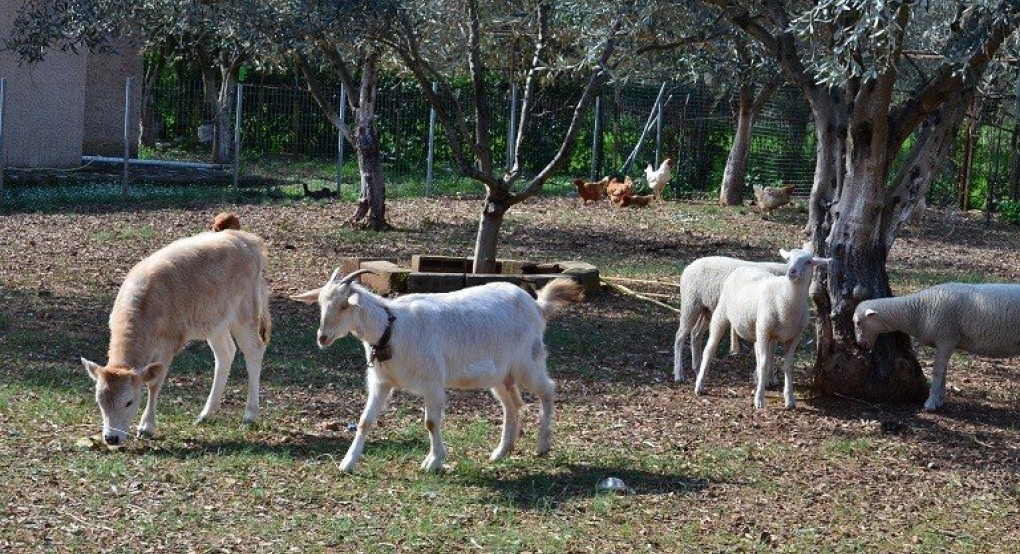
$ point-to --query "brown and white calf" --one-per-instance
(211, 287)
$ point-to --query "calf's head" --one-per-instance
(119, 393)
(338, 304)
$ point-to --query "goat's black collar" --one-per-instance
(382, 351)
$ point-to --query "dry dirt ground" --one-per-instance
(892, 477)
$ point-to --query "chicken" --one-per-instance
(659, 178)
(770, 198)
(591, 192)
(637, 201)
(618, 190)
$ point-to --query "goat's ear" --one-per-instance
(308, 297)
(92, 368)
(151, 372)
(784, 253)
(336, 276)
(870, 313)
(354, 299)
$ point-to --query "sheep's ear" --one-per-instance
(309, 297)
(869, 312)
(92, 368)
(354, 299)
(151, 372)
(784, 253)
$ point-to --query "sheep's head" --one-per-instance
(801, 262)
(338, 303)
(119, 393)
(868, 325)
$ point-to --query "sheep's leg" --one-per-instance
(510, 397)
(434, 401)
(734, 342)
(715, 334)
(764, 350)
(697, 334)
(254, 351)
(378, 394)
(937, 393)
(147, 429)
(223, 348)
(788, 350)
(690, 327)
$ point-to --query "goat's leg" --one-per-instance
(734, 342)
(716, 330)
(223, 348)
(378, 394)
(510, 397)
(434, 401)
(937, 393)
(789, 348)
(147, 428)
(254, 350)
(764, 350)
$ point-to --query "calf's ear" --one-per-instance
(151, 372)
(92, 368)
(308, 297)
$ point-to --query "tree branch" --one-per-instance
(315, 88)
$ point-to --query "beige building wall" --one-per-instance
(66, 105)
(104, 101)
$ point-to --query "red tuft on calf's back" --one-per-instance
(226, 220)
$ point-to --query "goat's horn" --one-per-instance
(350, 277)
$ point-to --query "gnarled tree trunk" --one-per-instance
(487, 240)
(749, 106)
(372, 201)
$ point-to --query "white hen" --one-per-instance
(659, 178)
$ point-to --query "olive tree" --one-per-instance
(847, 58)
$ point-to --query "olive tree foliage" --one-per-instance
(852, 61)
(442, 41)
(164, 29)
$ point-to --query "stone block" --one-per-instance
(390, 278)
(434, 282)
(350, 264)
(584, 273)
(440, 264)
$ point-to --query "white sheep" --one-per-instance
(764, 309)
(485, 337)
(210, 287)
(700, 284)
(981, 319)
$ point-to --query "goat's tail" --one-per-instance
(559, 292)
(226, 220)
(265, 321)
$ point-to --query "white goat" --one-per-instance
(764, 309)
(490, 336)
(700, 285)
(981, 319)
(211, 287)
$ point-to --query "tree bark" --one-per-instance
(372, 201)
(731, 191)
(487, 240)
(858, 248)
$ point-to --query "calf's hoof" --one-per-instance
(145, 434)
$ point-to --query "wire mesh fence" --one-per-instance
(285, 137)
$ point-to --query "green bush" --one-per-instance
(1009, 212)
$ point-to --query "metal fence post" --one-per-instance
(127, 134)
(596, 141)
(432, 145)
(340, 139)
(511, 133)
(3, 154)
(237, 134)
(658, 130)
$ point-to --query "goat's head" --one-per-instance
(119, 393)
(800, 262)
(338, 303)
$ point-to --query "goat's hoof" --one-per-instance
(203, 419)
(499, 454)
(932, 405)
(145, 434)
(347, 465)
(432, 463)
